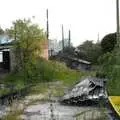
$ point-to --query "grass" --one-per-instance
(39, 88)
(14, 112)
(4, 91)
(13, 115)
(50, 78)
(49, 88)
(46, 71)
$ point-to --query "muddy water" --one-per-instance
(56, 111)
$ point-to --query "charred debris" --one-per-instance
(88, 91)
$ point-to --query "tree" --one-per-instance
(108, 42)
(27, 39)
(1, 31)
(89, 51)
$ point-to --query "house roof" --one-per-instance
(5, 42)
(5, 39)
(80, 60)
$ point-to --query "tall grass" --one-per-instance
(45, 71)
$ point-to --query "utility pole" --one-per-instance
(69, 38)
(15, 32)
(62, 38)
(117, 18)
(47, 25)
(98, 40)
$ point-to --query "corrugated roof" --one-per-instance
(80, 60)
(5, 39)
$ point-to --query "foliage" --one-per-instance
(53, 70)
(89, 51)
(69, 51)
(110, 66)
(45, 71)
(1, 31)
(108, 42)
(64, 56)
(27, 41)
(4, 91)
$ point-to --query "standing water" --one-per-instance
(56, 111)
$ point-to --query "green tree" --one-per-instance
(1, 31)
(108, 42)
(89, 51)
(27, 44)
(110, 68)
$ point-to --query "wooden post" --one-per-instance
(69, 39)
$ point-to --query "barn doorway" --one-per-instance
(6, 60)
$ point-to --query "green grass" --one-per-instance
(46, 71)
(4, 91)
(39, 88)
(49, 77)
(13, 114)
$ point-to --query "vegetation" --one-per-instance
(45, 71)
(26, 45)
(1, 31)
(89, 51)
(29, 67)
(4, 91)
(110, 67)
(14, 112)
(108, 42)
(110, 64)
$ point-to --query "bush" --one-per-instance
(44, 71)
(110, 66)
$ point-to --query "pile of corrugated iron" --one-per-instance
(89, 90)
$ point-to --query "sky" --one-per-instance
(85, 18)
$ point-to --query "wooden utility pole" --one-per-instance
(117, 18)
(98, 40)
(47, 27)
(62, 38)
(15, 31)
(69, 38)
(47, 24)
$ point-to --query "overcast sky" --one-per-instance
(85, 18)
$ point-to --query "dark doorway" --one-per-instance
(6, 60)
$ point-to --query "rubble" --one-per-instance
(90, 89)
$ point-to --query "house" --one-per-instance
(75, 63)
(7, 57)
(80, 64)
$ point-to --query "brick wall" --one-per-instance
(44, 49)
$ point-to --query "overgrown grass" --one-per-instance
(13, 115)
(110, 67)
(43, 72)
(14, 112)
(4, 90)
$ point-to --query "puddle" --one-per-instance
(56, 111)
